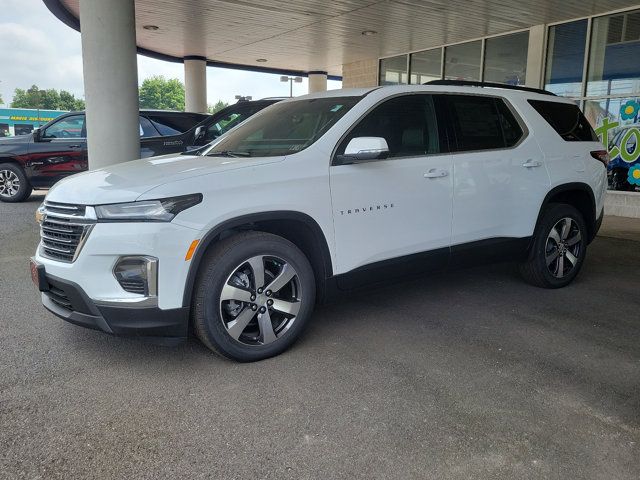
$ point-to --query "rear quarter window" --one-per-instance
(566, 119)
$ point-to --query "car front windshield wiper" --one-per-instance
(229, 153)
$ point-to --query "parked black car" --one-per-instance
(59, 148)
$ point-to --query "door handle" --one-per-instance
(436, 173)
(532, 164)
(75, 146)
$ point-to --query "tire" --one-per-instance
(556, 255)
(14, 185)
(232, 307)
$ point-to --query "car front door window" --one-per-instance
(67, 128)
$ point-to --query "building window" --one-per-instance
(565, 58)
(393, 70)
(612, 102)
(614, 68)
(426, 66)
(462, 62)
(505, 59)
(23, 128)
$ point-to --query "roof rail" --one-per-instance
(469, 83)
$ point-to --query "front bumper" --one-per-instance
(68, 301)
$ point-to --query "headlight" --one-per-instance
(163, 210)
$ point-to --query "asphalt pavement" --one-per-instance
(468, 375)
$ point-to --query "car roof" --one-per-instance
(507, 92)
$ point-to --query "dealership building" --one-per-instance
(587, 51)
(22, 121)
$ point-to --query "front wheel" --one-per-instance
(254, 295)
(559, 248)
(14, 185)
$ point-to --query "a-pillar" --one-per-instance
(195, 84)
(110, 71)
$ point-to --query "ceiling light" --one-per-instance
(368, 33)
(153, 28)
(261, 60)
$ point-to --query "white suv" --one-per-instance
(319, 194)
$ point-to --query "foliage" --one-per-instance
(161, 93)
(49, 99)
(216, 107)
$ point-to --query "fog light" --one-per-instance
(138, 275)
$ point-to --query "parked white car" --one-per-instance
(319, 194)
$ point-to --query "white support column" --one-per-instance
(110, 70)
(536, 57)
(195, 84)
(317, 82)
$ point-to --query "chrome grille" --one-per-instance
(64, 229)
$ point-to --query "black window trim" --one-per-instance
(448, 130)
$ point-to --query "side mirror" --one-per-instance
(364, 149)
(37, 135)
(198, 135)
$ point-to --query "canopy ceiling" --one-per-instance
(321, 35)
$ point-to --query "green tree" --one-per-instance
(158, 92)
(69, 102)
(219, 105)
(49, 99)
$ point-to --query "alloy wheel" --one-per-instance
(260, 300)
(9, 184)
(563, 247)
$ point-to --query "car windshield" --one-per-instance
(283, 128)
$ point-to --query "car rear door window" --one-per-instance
(566, 119)
(146, 128)
(482, 123)
(165, 127)
(408, 124)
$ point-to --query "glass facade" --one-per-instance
(594, 61)
(393, 71)
(614, 56)
(505, 59)
(565, 58)
(462, 61)
(610, 93)
(426, 66)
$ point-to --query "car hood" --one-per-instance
(15, 140)
(126, 182)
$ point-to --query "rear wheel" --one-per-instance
(254, 296)
(14, 185)
(559, 248)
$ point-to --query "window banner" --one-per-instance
(617, 123)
